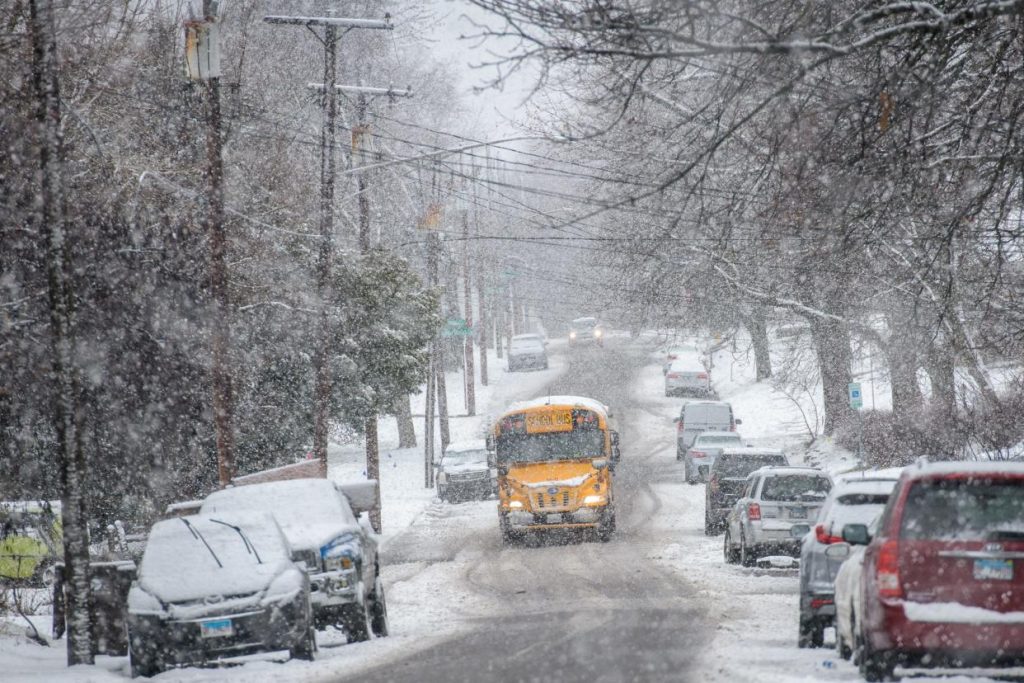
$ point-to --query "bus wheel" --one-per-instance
(607, 526)
(508, 535)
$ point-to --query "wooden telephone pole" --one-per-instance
(328, 149)
(202, 60)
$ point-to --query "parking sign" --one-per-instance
(856, 398)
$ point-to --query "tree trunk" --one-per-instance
(442, 398)
(758, 329)
(406, 429)
(67, 419)
(906, 393)
(832, 345)
(373, 467)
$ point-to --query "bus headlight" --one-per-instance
(593, 500)
(515, 505)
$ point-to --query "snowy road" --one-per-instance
(566, 611)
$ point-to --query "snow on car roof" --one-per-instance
(194, 556)
(526, 336)
(585, 321)
(583, 401)
(868, 486)
(719, 435)
(750, 450)
(887, 474)
(688, 363)
(462, 446)
(311, 512)
(936, 469)
(790, 471)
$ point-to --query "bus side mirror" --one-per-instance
(490, 442)
(616, 453)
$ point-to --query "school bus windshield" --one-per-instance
(527, 448)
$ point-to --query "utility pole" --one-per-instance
(202, 60)
(361, 128)
(51, 213)
(480, 286)
(323, 380)
(466, 279)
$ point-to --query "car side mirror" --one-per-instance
(675, 420)
(838, 551)
(856, 534)
(739, 422)
(799, 530)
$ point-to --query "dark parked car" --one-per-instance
(943, 579)
(727, 479)
(213, 587)
(464, 472)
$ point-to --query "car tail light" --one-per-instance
(702, 375)
(817, 603)
(713, 484)
(673, 375)
(732, 426)
(671, 357)
(698, 454)
(887, 570)
(753, 512)
(680, 427)
(824, 537)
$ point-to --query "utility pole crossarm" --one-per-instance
(336, 22)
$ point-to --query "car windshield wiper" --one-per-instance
(200, 537)
(245, 539)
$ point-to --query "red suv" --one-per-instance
(943, 578)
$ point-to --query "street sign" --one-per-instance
(856, 397)
(456, 327)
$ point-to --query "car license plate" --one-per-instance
(553, 519)
(993, 570)
(798, 513)
(216, 628)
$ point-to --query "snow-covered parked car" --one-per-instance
(464, 472)
(527, 352)
(856, 498)
(340, 553)
(773, 500)
(216, 586)
(942, 583)
(848, 598)
(702, 454)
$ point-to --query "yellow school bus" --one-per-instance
(555, 457)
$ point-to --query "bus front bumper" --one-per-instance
(565, 519)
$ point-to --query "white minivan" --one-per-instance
(696, 417)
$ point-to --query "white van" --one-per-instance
(702, 416)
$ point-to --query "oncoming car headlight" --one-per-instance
(572, 335)
(598, 333)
